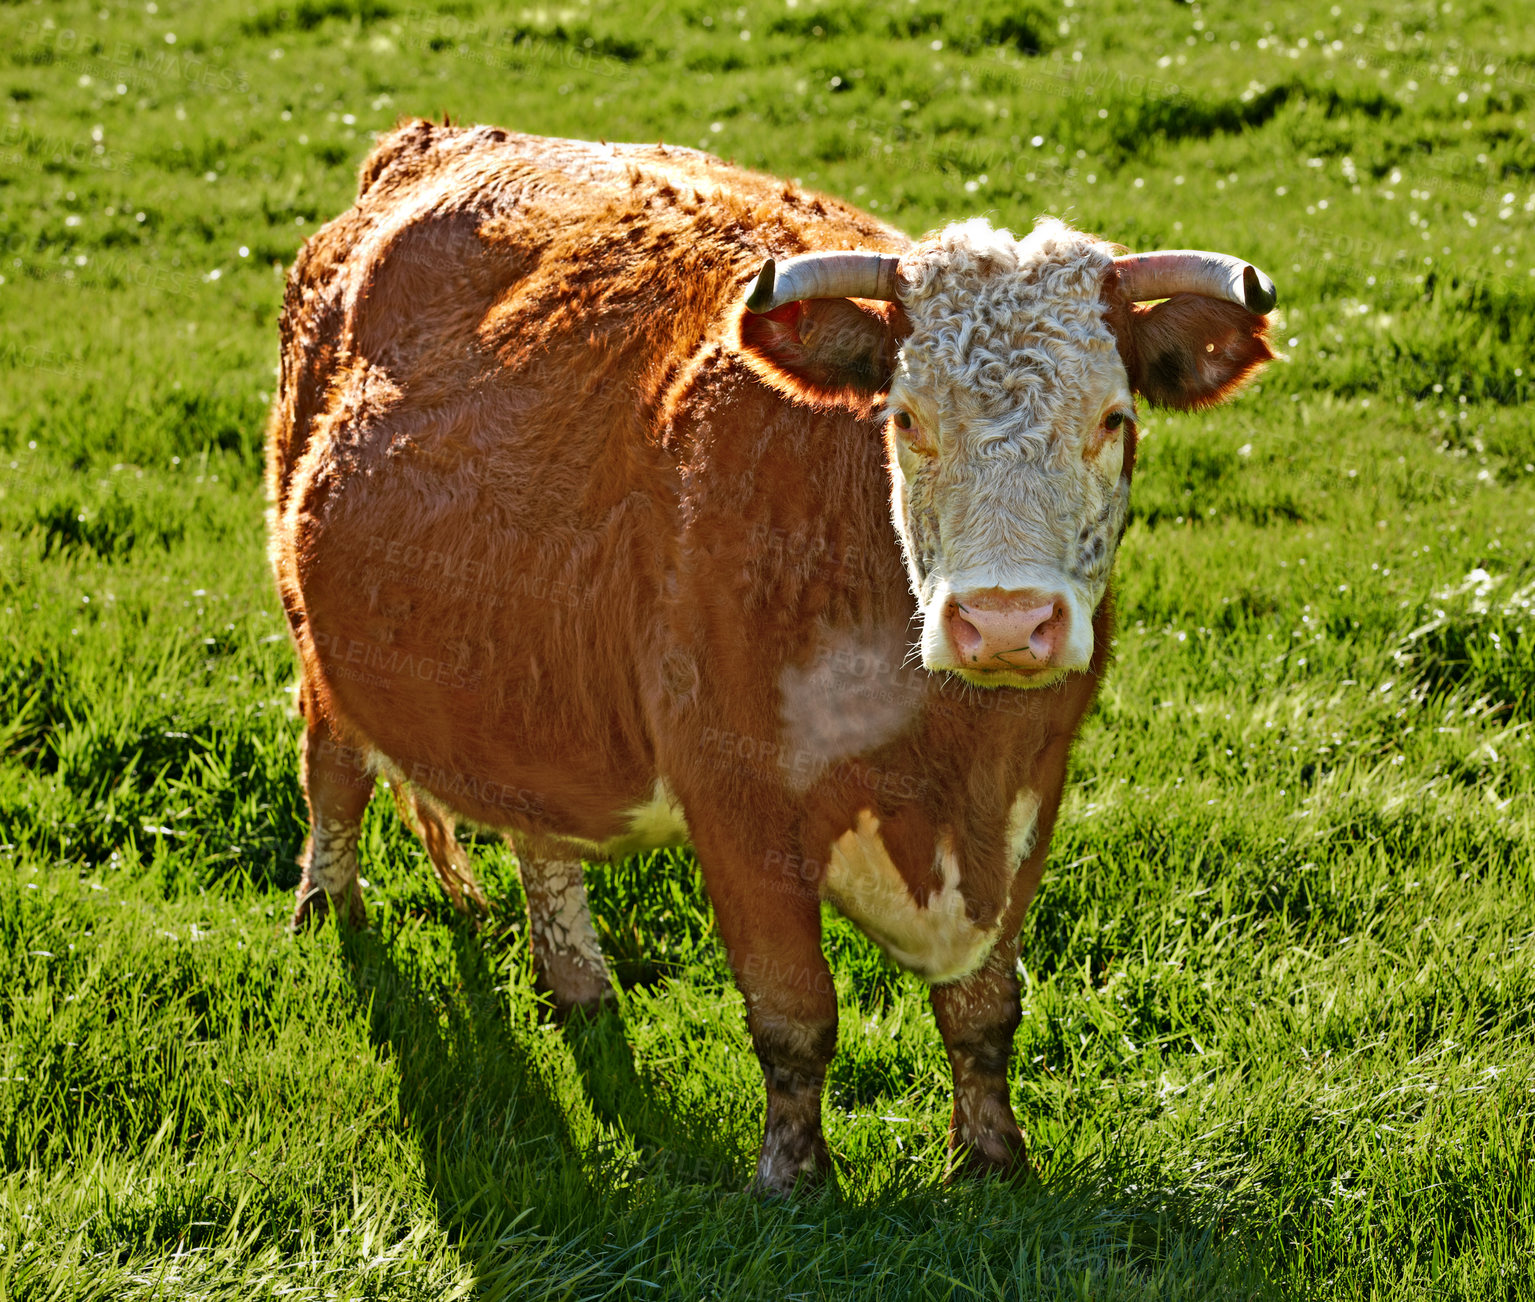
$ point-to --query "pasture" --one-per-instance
(1279, 1019)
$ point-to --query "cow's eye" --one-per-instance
(1114, 420)
(902, 420)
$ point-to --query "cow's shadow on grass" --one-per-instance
(467, 1084)
(487, 1091)
(534, 1138)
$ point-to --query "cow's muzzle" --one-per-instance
(1022, 637)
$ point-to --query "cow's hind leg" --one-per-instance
(436, 828)
(337, 784)
(977, 1018)
(567, 959)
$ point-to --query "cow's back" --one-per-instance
(452, 222)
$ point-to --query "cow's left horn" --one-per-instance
(1167, 272)
(860, 274)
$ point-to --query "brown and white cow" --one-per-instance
(623, 497)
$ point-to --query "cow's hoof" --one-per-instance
(574, 984)
(803, 1185)
(314, 906)
(312, 909)
(576, 1012)
(993, 1156)
(794, 1165)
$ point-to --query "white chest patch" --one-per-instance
(656, 824)
(937, 941)
(849, 699)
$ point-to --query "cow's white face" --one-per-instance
(1011, 434)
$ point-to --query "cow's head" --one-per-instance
(1008, 371)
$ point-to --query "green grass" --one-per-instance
(1280, 985)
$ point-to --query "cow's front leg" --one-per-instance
(795, 1038)
(770, 920)
(977, 1017)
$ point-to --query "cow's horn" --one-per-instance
(860, 274)
(1167, 272)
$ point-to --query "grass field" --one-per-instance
(1279, 1022)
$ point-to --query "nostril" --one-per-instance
(966, 637)
(1046, 640)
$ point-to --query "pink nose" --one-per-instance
(997, 629)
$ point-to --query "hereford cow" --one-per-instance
(624, 498)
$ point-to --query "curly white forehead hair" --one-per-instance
(1000, 323)
(1000, 483)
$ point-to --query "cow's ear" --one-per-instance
(1189, 351)
(824, 349)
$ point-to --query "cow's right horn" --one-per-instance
(1166, 272)
(861, 274)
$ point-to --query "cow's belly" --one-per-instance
(477, 700)
(936, 939)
